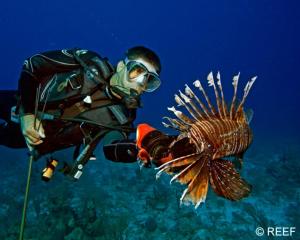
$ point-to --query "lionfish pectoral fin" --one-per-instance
(176, 164)
(226, 181)
(192, 170)
(198, 186)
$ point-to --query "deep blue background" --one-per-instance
(192, 38)
(255, 37)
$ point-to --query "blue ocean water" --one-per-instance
(192, 38)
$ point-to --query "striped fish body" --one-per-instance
(216, 133)
(221, 137)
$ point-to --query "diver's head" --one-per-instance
(138, 72)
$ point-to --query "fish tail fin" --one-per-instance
(239, 111)
(226, 181)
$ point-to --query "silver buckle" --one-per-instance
(70, 82)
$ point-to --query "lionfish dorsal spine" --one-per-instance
(235, 82)
(190, 93)
(175, 124)
(225, 112)
(180, 115)
(246, 92)
(198, 85)
(194, 111)
(184, 99)
(211, 82)
(199, 111)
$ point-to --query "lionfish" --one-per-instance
(218, 134)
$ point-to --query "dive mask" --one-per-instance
(139, 73)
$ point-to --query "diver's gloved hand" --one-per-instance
(33, 136)
(153, 145)
(144, 158)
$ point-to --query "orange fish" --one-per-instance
(217, 133)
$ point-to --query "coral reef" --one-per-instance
(118, 201)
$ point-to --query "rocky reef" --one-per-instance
(115, 201)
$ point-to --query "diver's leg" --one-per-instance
(11, 135)
(7, 101)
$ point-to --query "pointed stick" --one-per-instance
(197, 84)
(246, 92)
(235, 83)
(36, 107)
(211, 82)
(225, 112)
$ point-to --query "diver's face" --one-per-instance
(134, 74)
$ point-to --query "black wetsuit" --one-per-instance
(39, 70)
(10, 133)
(36, 70)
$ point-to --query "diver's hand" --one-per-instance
(32, 136)
(154, 146)
(144, 158)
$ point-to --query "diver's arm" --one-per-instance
(27, 91)
(121, 151)
(37, 67)
(158, 148)
(33, 71)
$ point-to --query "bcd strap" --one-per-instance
(105, 68)
(118, 113)
(84, 156)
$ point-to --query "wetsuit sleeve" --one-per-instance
(40, 65)
(121, 151)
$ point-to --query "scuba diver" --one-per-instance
(73, 98)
